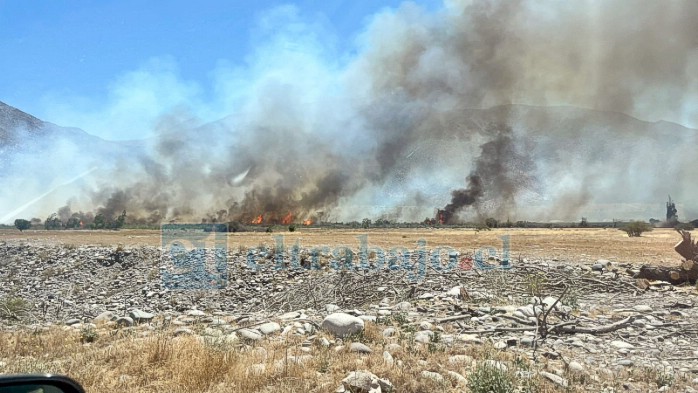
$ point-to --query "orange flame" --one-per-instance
(258, 220)
(308, 222)
(288, 218)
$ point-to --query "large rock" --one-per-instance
(104, 317)
(269, 328)
(250, 334)
(365, 382)
(342, 325)
(141, 316)
(359, 348)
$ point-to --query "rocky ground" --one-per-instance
(566, 323)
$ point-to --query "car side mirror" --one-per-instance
(38, 383)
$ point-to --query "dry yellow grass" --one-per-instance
(142, 360)
(574, 245)
(159, 362)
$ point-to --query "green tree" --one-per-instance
(73, 222)
(22, 224)
(53, 222)
(99, 222)
(637, 228)
(366, 223)
(119, 223)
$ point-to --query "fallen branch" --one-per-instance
(599, 329)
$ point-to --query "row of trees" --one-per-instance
(76, 221)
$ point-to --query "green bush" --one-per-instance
(292, 228)
(637, 228)
(14, 308)
(488, 378)
(88, 334)
(685, 226)
(22, 224)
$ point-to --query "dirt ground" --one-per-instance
(571, 245)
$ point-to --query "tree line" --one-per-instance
(75, 221)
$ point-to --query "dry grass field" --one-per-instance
(155, 362)
(570, 245)
(150, 359)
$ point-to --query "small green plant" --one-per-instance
(571, 299)
(88, 334)
(488, 378)
(400, 318)
(324, 363)
(269, 229)
(636, 228)
(292, 228)
(14, 308)
(664, 379)
(535, 284)
(435, 343)
(522, 364)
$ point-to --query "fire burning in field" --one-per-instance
(257, 220)
(288, 219)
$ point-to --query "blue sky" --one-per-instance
(66, 61)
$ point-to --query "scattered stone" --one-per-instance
(457, 378)
(556, 379)
(140, 316)
(388, 358)
(124, 321)
(365, 382)
(250, 334)
(359, 348)
(621, 344)
(183, 332)
(436, 377)
(423, 336)
(642, 308)
(342, 325)
(104, 317)
(575, 367)
(269, 328)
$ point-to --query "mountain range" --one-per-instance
(570, 162)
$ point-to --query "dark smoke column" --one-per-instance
(501, 169)
(461, 198)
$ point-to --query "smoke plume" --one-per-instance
(549, 110)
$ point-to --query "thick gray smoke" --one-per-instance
(500, 168)
(486, 88)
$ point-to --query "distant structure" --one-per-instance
(671, 212)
